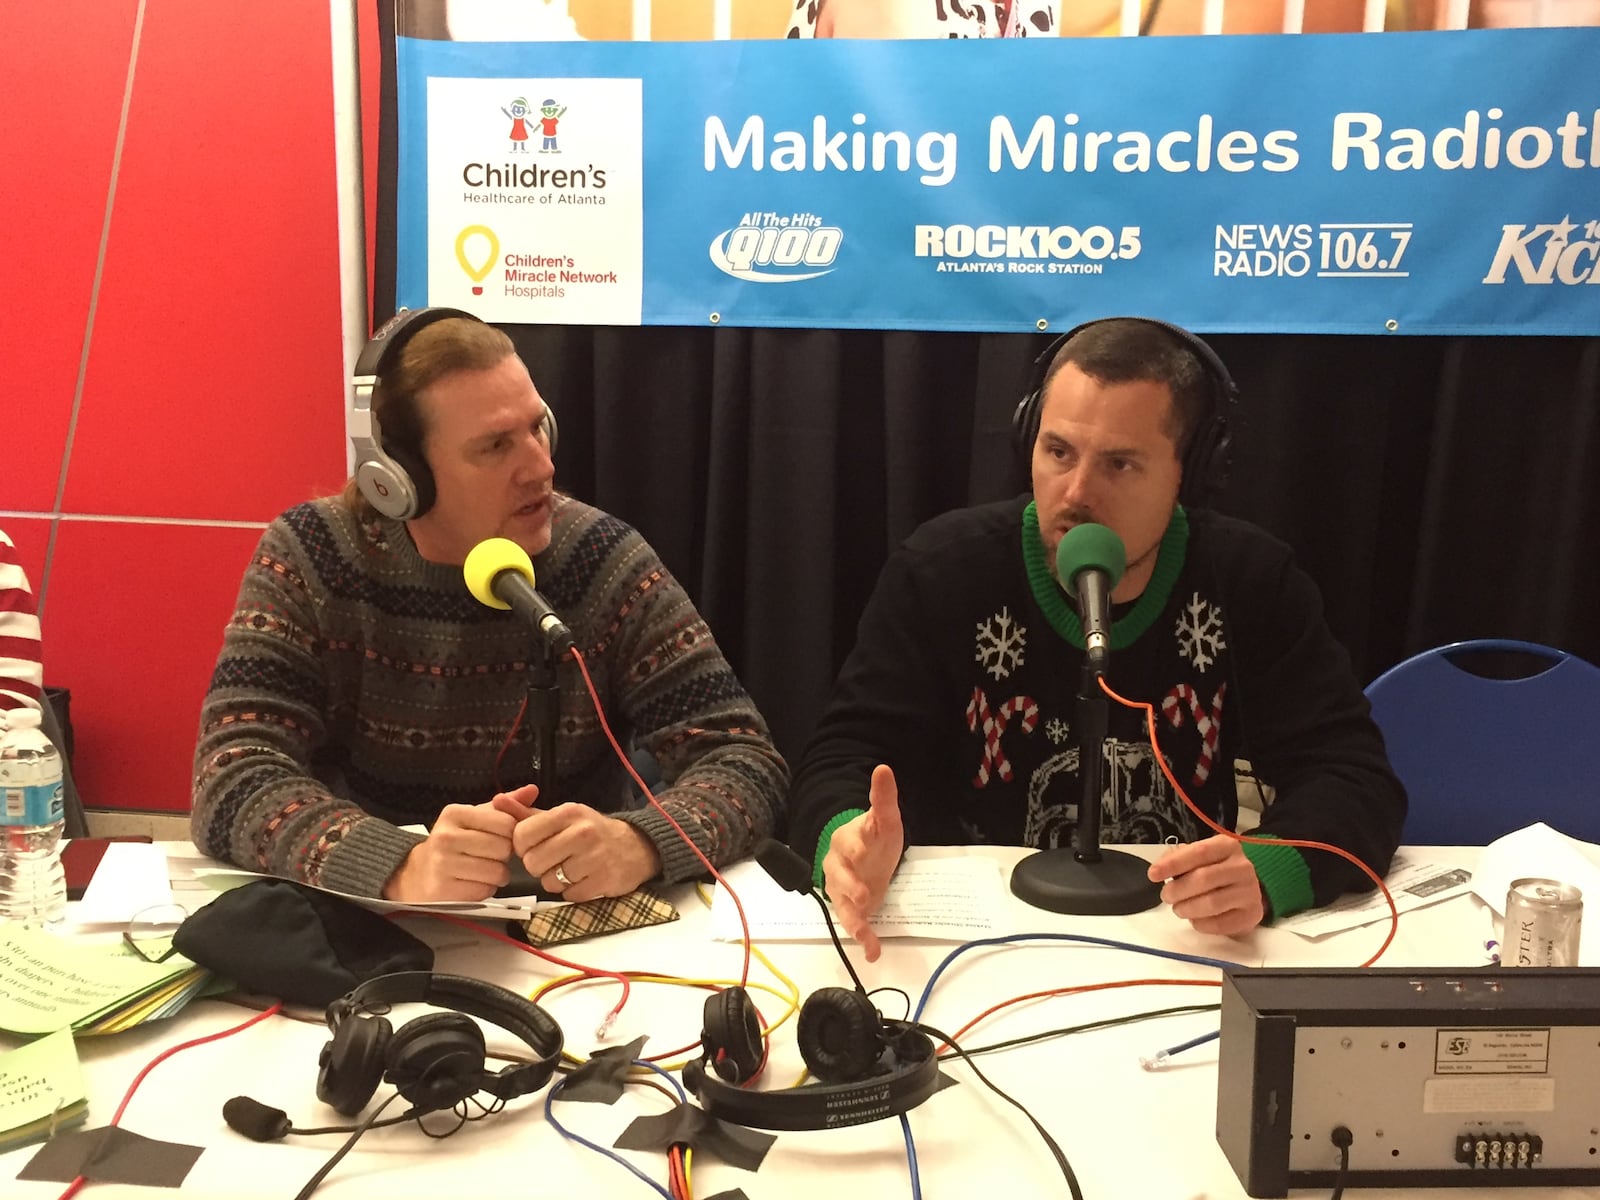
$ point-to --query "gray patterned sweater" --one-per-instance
(361, 688)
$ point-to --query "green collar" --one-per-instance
(1059, 611)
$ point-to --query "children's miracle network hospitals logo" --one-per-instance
(770, 247)
(477, 250)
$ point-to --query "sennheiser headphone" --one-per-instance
(437, 1060)
(395, 479)
(868, 1068)
(1207, 461)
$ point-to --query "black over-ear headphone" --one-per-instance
(1205, 464)
(395, 479)
(437, 1060)
(868, 1068)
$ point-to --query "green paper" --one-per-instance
(48, 983)
(41, 1090)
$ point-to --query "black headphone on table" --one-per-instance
(395, 479)
(436, 1060)
(1208, 459)
(867, 1067)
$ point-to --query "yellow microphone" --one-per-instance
(500, 574)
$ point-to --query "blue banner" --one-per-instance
(1421, 183)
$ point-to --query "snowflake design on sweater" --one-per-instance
(1056, 730)
(1000, 644)
(1199, 632)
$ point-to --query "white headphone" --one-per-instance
(396, 480)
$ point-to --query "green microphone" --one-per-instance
(1084, 878)
(1089, 564)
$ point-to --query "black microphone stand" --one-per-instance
(1087, 879)
(544, 710)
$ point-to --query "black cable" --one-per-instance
(1092, 1026)
(1149, 18)
(1341, 1138)
(837, 945)
(1060, 1156)
(408, 1115)
(898, 992)
(311, 1184)
(462, 1115)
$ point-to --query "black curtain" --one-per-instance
(1436, 488)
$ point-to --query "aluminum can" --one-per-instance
(1543, 920)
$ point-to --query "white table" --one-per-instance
(1129, 1133)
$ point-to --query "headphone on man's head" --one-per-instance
(437, 1060)
(395, 479)
(868, 1068)
(1207, 461)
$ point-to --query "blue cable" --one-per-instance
(1192, 1043)
(1159, 1060)
(1199, 959)
(911, 1158)
(549, 1115)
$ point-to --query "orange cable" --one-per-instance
(1150, 719)
(1076, 989)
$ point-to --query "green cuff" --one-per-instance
(1283, 874)
(826, 840)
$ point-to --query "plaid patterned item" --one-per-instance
(591, 918)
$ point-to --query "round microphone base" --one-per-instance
(1056, 881)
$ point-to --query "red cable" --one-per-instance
(644, 788)
(79, 1181)
(506, 745)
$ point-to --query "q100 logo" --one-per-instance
(770, 247)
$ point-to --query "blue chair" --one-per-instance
(1480, 756)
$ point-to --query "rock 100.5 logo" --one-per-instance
(771, 247)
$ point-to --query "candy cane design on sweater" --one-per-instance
(992, 724)
(1209, 722)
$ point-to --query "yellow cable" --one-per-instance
(688, 1187)
(790, 996)
(579, 979)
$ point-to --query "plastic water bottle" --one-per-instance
(33, 888)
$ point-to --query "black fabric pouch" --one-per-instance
(278, 938)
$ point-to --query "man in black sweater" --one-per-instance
(952, 719)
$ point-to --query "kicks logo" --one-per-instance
(1544, 254)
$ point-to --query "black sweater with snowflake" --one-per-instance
(965, 674)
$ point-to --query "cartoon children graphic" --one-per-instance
(549, 114)
(518, 115)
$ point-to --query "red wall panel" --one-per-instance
(214, 386)
(64, 65)
(215, 383)
(145, 606)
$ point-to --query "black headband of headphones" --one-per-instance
(1206, 460)
(912, 1080)
(486, 1001)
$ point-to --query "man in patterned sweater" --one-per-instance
(361, 687)
(952, 718)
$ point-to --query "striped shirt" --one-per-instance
(21, 663)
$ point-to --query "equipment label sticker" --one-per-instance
(1491, 1051)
